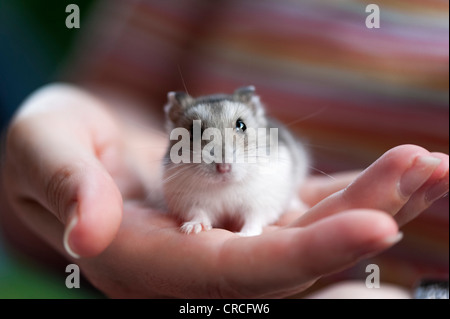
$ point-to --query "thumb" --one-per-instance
(92, 212)
(56, 182)
(59, 190)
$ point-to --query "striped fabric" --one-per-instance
(349, 91)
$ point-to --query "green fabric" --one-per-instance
(20, 278)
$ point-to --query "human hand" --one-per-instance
(67, 156)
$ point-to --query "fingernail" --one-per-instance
(369, 251)
(437, 191)
(392, 240)
(67, 232)
(414, 177)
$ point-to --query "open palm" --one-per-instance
(75, 169)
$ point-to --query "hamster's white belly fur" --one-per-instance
(258, 200)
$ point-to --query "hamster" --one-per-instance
(224, 172)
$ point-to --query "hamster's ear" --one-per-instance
(244, 94)
(247, 96)
(176, 103)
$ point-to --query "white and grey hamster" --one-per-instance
(218, 172)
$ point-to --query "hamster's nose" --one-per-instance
(223, 168)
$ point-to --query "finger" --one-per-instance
(434, 188)
(94, 219)
(293, 258)
(315, 189)
(357, 289)
(53, 156)
(386, 185)
(318, 187)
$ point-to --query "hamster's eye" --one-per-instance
(240, 125)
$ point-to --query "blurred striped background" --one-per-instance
(350, 92)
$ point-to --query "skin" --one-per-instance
(99, 166)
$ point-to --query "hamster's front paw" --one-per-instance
(195, 227)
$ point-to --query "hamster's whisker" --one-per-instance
(307, 117)
(178, 171)
(182, 78)
(322, 172)
(324, 147)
